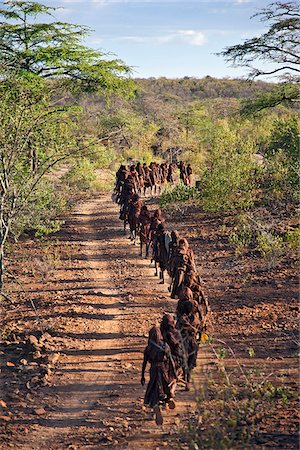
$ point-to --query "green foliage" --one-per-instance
(208, 90)
(103, 156)
(292, 239)
(281, 177)
(251, 352)
(284, 94)
(137, 154)
(234, 404)
(132, 134)
(81, 175)
(197, 158)
(41, 210)
(241, 238)
(285, 136)
(253, 233)
(103, 184)
(54, 50)
(269, 244)
(222, 353)
(228, 180)
(86, 176)
(177, 194)
(229, 414)
(34, 136)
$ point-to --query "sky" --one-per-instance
(170, 38)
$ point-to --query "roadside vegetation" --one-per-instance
(70, 116)
(237, 403)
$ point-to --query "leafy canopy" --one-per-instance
(284, 94)
(279, 45)
(55, 50)
(279, 48)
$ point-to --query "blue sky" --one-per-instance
(171, 38)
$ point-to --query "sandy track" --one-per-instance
(106, 300)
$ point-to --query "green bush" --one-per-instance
(283, 159)
(241, 239)
(103, 157)
(269, 244)
(104, 182)
(229, 181)
(292, 239)
(279, 181)
(137, 154)
(177, 194)
(81, 175)
(41, 210)
(285, 136)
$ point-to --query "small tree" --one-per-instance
(29, 123)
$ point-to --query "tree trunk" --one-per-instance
(2, 237)
(1, 265)
(33, 157)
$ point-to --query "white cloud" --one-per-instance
(190, 37)
(95, 2)
(100, 3)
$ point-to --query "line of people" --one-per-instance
(132, 182)
(143, 178)
(173, 346)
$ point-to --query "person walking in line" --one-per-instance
(158, 392)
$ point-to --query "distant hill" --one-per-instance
(189, 89)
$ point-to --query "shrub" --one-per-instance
(81, 175)
(292, 238)
(197, 158)
(228, 181)
(269, 244)
(285, 136)
(241, 239)
(138, 154)
(104, 181)
(41, 211)
(233, 403)
(178, 193)
(276, 181)
(283, 158)
(103, 157)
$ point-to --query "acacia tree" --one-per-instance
(54, 50)
(277, 48)
(29, 121)
(37, 59)
(280, 44)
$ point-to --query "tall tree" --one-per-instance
(37, 59)
(277, 51)
(29, 122)
(279, 45)
(55, 50)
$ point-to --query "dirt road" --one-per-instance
(98, 304)
(88, 291)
